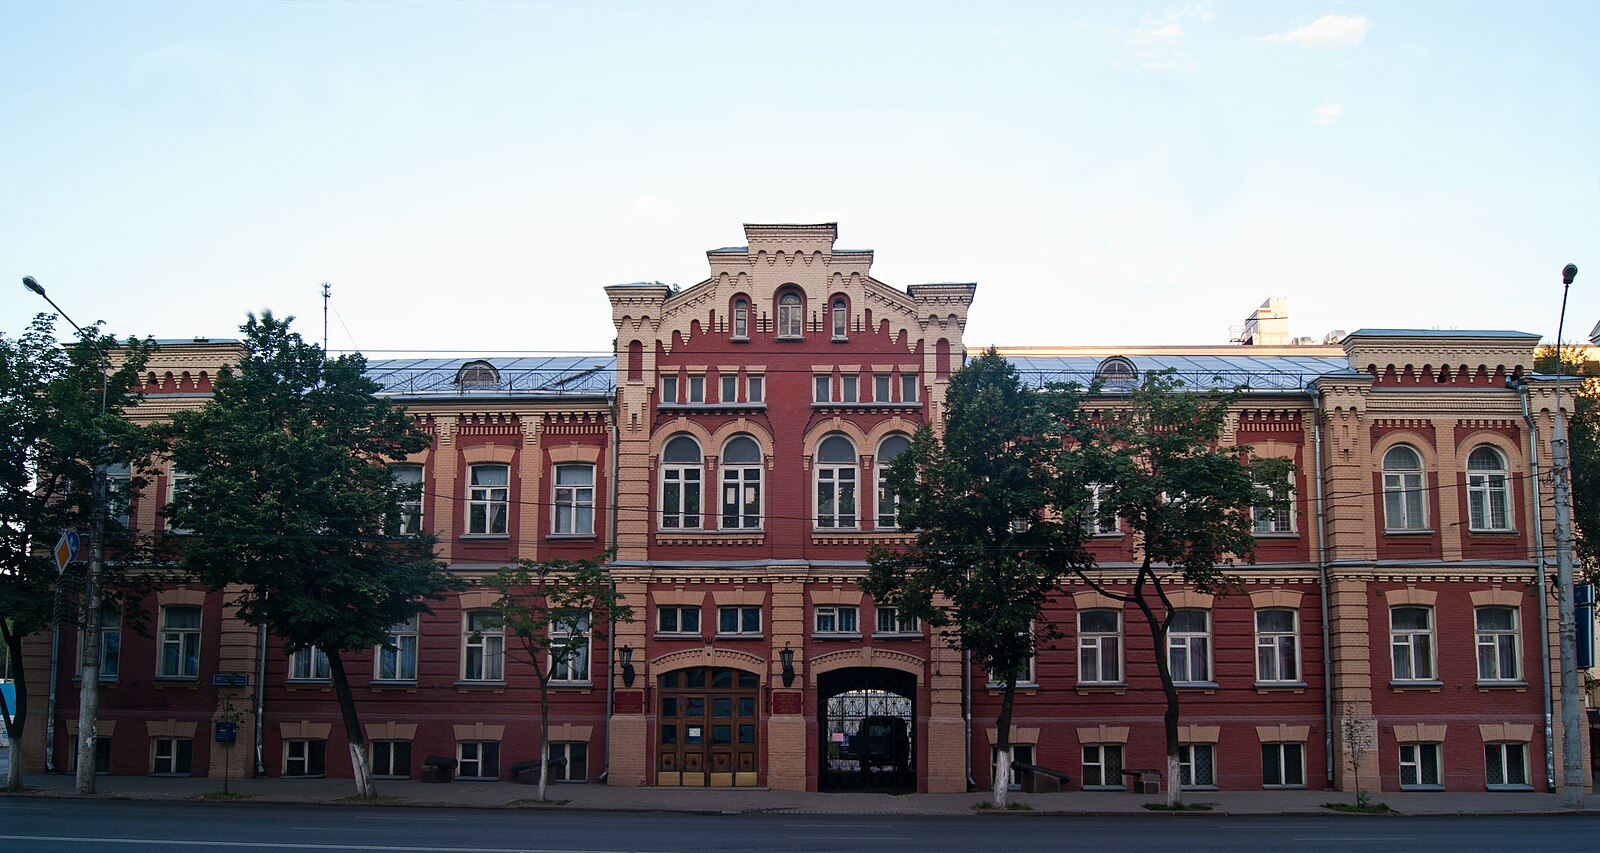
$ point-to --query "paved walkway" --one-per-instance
(737, 801)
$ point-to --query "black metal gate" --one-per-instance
(867, 723)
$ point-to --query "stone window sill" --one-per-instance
(470, 536)
(1280, 687)
(835, 635)
(1408, 532)
(1518, 686)
(1107, 689)
(1421, 686)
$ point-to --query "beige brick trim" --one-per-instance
(304, 730)
(1496, 597)
(1506, 732)
(1411, 595)
(575, 453)
(836, 596)
(694, 597)
(391, 731)
(1018, 735)
(1199, 734)
(569, 733)
(170, 728)
(1103, 734)
(731, 597)
(102, 728)
(1420, 733)
(478, 599)
(479, 731)
(181, 597)
(1091, 600)
(1188, 598)
(1275, 598)
(1283, 733)
(711, 656)
(481, 453)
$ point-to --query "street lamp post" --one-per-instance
(1571, 700)
(89, 674)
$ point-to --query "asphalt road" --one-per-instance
(38, 825)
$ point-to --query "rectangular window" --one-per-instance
(1497, 644)
(489, 500)
(755, 388)
(180, 643)
(678, 620)
(391, 759)
(408, 481)
(569, 762)
(1189, 646)
(569, 647)
(1506, 765)
(305, 757)
(110, 643)
(908, 387)
(172, 756)
(309, 664)
(1099, 519)
(1277, 646)
(1197, 765)
(1283, 765)
(397, 659)
(480, 759)
(1419, 765)
(1273, 511)
(697, 389)
(119, 493)
(837, 619)
(177, 486)
(739, 620)
(574, 499)
(669, 389)
(1102, 766)
(730, 389)
(891, 622)
(1411, 640)
(1022, 752)
(484, 647)
(1099, 647)
(824, 388)
(102, 757)
(880, 387)
(850, 383)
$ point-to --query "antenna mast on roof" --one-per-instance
(327, 291)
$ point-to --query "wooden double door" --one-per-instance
(707, 728)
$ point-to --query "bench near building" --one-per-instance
(731, 454)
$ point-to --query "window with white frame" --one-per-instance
(836, 482)
(478, 759)
(822, 385)
(308, 664)
(1197, 765)
(1411, 641)
(397, 659)
(741, 319)
(680, 483)
(1506, 765)
(908, 387)
(1488, 490)
(1273, 511)
(678, 619)
(569, 647)
(890, 621)
(305, 757)
(669, 388)
(171, 756)
(488, 500)
(1189, 645)
(180, 642)
(755, 387)
(889, 502)
(739, 620)
(697, 388)
(1099, 647)
(1498, 658)
(408, 479)
(841, 320)
(1099, 518)
(1277, 646)
(574, 499)
(391, 759)
(729, 392)
(119, 492)
(741, 484)
(850, 388)
(177, 486)
(1102, 766)
(1403, 504)
(1283, 765)
(1419, 766)
(110, 643)
(483, 647)
(569, 761)
(881, 383)
(791, 315)
(836, 619)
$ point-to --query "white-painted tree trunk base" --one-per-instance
(363, 772)
(1002, 777)
(1174, 781)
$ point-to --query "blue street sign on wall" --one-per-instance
(1583, 598)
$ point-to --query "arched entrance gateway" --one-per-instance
(867, 730)
(707, 728)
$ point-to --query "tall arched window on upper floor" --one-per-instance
(791, 315)
(888, 501)
(1488, 492)
(680, 483)
(1403, 504)
(841, 319)
(836, 482)
(477, 376)
(741, 484)
(741, 319)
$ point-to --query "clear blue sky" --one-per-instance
(469, 175)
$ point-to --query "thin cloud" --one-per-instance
(1327, 114)
(1159, 48)
(1326, 31)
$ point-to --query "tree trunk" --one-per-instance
(359, 764)
(1170, 719)
(1001, 780)
(14, 718)
(544, 737)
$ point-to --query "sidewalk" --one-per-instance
(747, 800)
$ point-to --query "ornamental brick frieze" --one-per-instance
(708, 656)
(866, 656)
(710, 539)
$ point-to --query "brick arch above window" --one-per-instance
(1510, 454)
(181, 598)
(1411, 596)
(574, 453)
(1103, 734)
(680, 426)
(479, 599)
(1275, 598)
(848, 429)
(1091, 600)
(742, 426)
(1414, 440)
(889, 427)
(1188, 598)
(706, 656)
(1496, 598)
(481, 453)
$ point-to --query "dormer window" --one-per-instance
(841, 320)
(741, 320)
(1117, 372)
(790, 316)
(477, 376)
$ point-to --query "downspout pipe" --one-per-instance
(50, 706)
(1322, 576)
(1521, 387)
(611, 546)
(261, 699)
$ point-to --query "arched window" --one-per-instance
(841, 320)
(888, 501)
(680, 483)
(741, 484)
(836, 482)
(1117, 372)
(741, 319)
(1488, 495)
(790, 315)
(1403, 507)
(477, 376)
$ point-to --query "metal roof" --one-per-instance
(1261, 373)
(538, 376)
(1440, 333)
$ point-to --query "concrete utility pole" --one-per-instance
(1572, 716)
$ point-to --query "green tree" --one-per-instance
(1583, 449)
(1160, 464)
(52, 434)
(989, 551)
(555, 610)
(290, 501)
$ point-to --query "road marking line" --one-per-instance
(282, 845)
